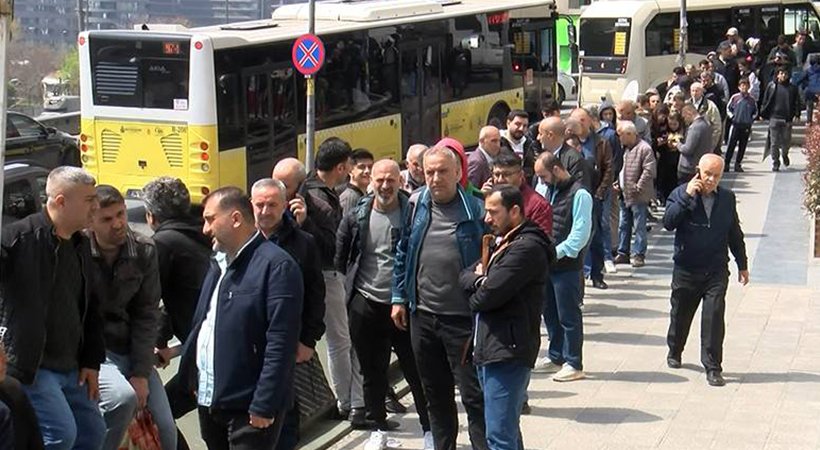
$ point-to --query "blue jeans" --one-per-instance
(594, 260)
(118, 402)
(563, 318)
(68, 418)
(632, 215)
(606, 225)
(505, 386)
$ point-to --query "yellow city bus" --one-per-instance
(220, 105)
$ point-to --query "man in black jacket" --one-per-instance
(781, 104)
(269, 207)
(365, 251)
(241, 353)
(704, 217)
(506, 299)
(184, 256)
(126, 269)
(324, 212)
(50, 323)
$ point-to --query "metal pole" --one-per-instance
(310, 121)
(6, 10)
(682, 35)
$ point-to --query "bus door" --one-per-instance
(763, 22)
(535, 59)
(420, 68)
(270, 117)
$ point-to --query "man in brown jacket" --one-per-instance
(637, 189)
(598, 153)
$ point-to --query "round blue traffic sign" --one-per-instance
(308, 54)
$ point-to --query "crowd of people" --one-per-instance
(452, 264)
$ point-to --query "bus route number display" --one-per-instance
(619, 44)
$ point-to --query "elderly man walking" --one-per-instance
(704, 218)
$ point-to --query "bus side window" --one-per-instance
(660, 34)
(706, 29)
(229, 112)
(801, 18)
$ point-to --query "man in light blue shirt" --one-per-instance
(572, 227)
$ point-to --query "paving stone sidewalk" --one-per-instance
(771, 354)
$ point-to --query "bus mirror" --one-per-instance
(571, 32)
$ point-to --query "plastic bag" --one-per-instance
(143, 433)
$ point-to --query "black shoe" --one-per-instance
(726, 168)
(358, 418)
(786, 161)
(739, 169)
(599, 284)
(714, 378)
(393, 406)
(387, 425)
(775, 168)
(525, 409)
(620, 258)
(672, 362)
(340, 414)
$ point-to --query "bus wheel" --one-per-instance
(498, 113)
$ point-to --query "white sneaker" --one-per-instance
(377, 441)
(428, 441)
(568, 373)
(610, 266)
(544, 365)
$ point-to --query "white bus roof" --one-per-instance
(629, 8)
(290, 21)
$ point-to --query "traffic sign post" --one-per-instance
(308, 55)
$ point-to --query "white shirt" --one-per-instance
(205, 338)
(518, 147)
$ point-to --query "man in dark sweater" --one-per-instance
(781, 104)
(742, 110)
(704, 218)
(50, 323)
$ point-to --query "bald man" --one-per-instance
(480, 161)
(704, 218)
(365, 251)
(551, 136)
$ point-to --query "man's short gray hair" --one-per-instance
(446, 151)
(271, 183)
(627, 126)
(66, 177)
(167, 198)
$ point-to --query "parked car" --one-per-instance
(566, 87)
(24, 190)
(30, 141)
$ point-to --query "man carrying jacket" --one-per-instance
(636, 184)
(572, 228)
(504, 297)
(128, 286)
(241, 353)
(365, 252)
(704, 218)
(441, 236)
(270, 204)
(49, 317)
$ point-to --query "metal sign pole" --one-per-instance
(311, 97)
(6, 10)
(682, 35)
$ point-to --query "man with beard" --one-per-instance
(503, 298)
(514, 139)
(365, 252)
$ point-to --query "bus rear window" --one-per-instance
(140, 73)
(605, 37)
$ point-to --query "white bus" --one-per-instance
(630, 46)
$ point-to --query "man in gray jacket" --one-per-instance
(698, 143)
(127, 285)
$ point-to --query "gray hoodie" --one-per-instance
(698, 143)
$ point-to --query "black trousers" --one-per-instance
(688, 289)
(20, 416)
(289, 436)
(231, 430)
(373, 334)
(738, 137)
(442, 348)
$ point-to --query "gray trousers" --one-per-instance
(345, 373)
(780, 137)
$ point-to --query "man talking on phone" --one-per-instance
(704, 217)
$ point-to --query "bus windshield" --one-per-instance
(141, 73)
(605, 37)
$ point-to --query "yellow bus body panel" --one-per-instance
(127, 155)
(463, 119)
(233, 168)
(381, 136)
